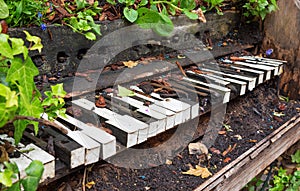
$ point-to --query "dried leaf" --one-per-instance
(222, 132)
(89, 185)
(130, 64)
(197, 148)
(252, 141)
(235, 58)
(200, 14)
(198, 171)
(239, 137)
(227, 151)
(214, 150)
(227, 159)
(169, 162)
(278, 114)
(100, 102)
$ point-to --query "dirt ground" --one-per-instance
(248, 120)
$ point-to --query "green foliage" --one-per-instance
(4, 12)
(254, 184)
(296, 157)
(24, 12)
(215, 4)
(288, 182)
(157, 16)
(18, 93)
(30, 183)
(83, 22)
(260, 8)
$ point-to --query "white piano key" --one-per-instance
(276, 68)
(268, 69)
(225, 91)
(171, 116)
(136, 130)
(182, 109)
(240, 83)
(107, 141)
(257, 72)
(92, 148)
(161, 118)
(251, 80)
(36, 153)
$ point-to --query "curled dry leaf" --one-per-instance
(214, 150)
(197, 148)
(227, 159)
(89, 185)
(198, 171)
(130, 64)
(100, 102)
(200, 14)
(4, 26)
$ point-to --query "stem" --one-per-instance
(169, 3)
(43, 121)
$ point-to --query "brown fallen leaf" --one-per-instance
(200, 14)
(214, 150)
(100, 102)
(235, 58)
(277, 119)
(252, 141)
(227, 159)
(4, 27)
(130, 64)
(227, 150)
(222, 132)
(198, 171)
(4, 155)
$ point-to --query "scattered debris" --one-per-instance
(169, 162)
(198, 171)
(239, 137)
(214, 150)
(227, 159)
(197, 148)
(90, 184)
(100, 102)
(130, 64)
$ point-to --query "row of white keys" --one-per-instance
(258, 73)
(182, 109)
(33, 152)
(225, 92)
(92, 148)
(250, 80)
(130, 133)
(242, 85)
(267, 61)
(160, 118)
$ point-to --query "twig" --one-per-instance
(83, 179)
(46, 122)
(180, 68)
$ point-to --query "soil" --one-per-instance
(248, 119)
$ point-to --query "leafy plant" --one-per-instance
(83, 22)
(34, 173)
(154, 14)
(215, 4)
(253, 184)
(260, 8)
(25, 12)
(291, 182)
(19, 97)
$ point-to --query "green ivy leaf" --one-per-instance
(58, 90)
(4, 12)
(143, 3)
(23, 73)
(147, 18)
(165, 26)
(111, 2)
(130, 14)
(296, 157)
(36, 40)
(124, 92)
(12, 166)
(18, 47)
(6, 114)
(5, 177)
(14, 187)
(190, 15)
(188, 4)
(5, 49)
(90, 36)
(10, 96)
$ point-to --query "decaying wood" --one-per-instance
(251, 156)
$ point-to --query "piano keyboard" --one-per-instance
(132, 122)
